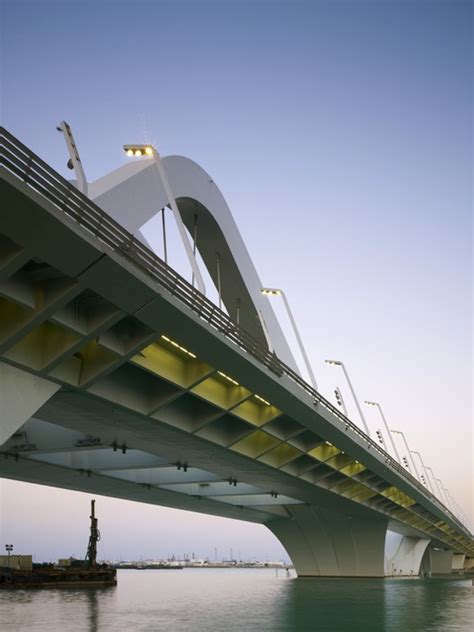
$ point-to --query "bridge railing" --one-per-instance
(20, 161)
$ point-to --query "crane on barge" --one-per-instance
(94, 537)
(77, 573)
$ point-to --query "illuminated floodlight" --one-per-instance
(138, 151)
(149, 151)
(268, 291)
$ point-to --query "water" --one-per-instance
(214, 600)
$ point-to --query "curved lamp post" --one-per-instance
(409, 452)
(268, 291)
(440, 495)
(341, 364)
(340, 400)
(426, 472)
(447, 496)
(138, 151)
(74, 161)
(394, 446)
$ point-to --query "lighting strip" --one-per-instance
(175, 344)
(262, 400)
(229, 379)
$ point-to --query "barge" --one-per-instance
(71, 574)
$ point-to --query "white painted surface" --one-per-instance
(406, 561)
(133, 194)
(324, 543)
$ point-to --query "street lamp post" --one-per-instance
(409, 452)
(340, 400)
(449, 499)
(423, 466)
(455, 506)
(379, 434)
(444, 496)
(74, 161)
(266, 291)
(394, 446)
(9, 549)
(440, 496)
(341, 364)
(150, 151)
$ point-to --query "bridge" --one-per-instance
(118, 377)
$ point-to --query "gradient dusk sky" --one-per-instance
(340, 134)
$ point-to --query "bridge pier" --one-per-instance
(408, 558)
(323, 543)
(440, 561)
(459, 561)
(469, 563)
(21, 395)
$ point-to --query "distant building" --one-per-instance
(18, 562)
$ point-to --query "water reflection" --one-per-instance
(436, 604)
(332, 604)
(253, 600)
(93, 610)
(373, 605)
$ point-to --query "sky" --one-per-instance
(340, 134)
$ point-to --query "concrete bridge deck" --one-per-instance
(117, 377)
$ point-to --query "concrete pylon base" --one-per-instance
(407, 559)
(469, 563)
(441, 561)
(458, 562)
(323, 543)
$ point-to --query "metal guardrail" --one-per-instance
(20, 161)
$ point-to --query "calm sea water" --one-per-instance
(215, 600)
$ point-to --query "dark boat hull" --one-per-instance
(59, 578)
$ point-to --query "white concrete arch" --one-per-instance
(407, 559)
(326, 543)
(133, 194)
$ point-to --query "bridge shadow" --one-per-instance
(311, 604)
(374, 605)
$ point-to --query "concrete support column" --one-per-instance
(21, 395)
(323, 543)
(469, 563)
(458, 562)
(441, 561)
(407, 559)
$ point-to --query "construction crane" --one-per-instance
(91, 556)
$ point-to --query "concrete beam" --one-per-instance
(21, 395)
(12, 257)
(27, 470)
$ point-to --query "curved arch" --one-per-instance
(323, 542)
(133, 194)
